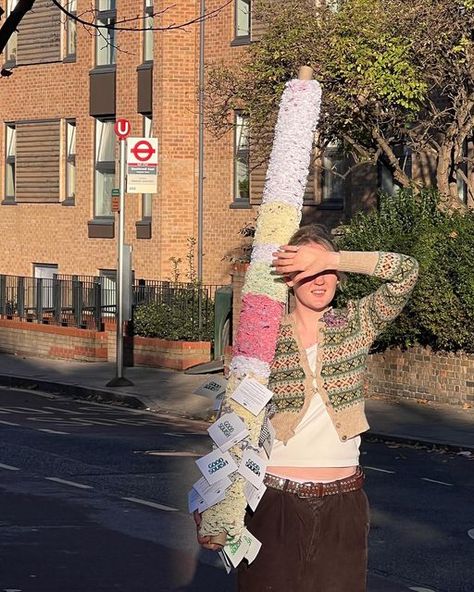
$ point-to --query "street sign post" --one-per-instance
(122, 131)
(142, 165)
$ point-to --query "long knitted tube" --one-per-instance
(264, 293)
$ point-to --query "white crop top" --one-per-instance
(316, 442)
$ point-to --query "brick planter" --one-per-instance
(177, 355)
(50, 341)
(69, 343)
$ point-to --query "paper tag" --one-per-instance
(208, 492)
(267, 437)
(218, 402)
(252, 395)
(253, 467)
(253, 495)
(237, 551)
(212, 388)
(254, 546)
(196, 502)
(216, 465)
(246, 548)
(225, 561)
(228, 430)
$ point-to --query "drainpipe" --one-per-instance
(201, 154)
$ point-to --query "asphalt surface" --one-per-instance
(93, 498)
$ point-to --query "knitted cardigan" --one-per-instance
(345, 336)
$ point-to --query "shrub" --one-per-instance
(440, 312)
(177, 317)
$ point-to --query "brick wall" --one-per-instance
(419, 373)
(31, 339)
(67, 343)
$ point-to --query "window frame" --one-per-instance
(70, 159)
(109, 14)
(241, 39)
(10, 161)
(236, 198)
(405, 158)
(103, 166)
(71, 29)
(148, 39)
(9, 61)
(331, 152)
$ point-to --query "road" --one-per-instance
(93, 499)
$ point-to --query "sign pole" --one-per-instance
(122, 130)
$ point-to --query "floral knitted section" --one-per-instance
(264, 292)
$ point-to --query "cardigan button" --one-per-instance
(344, 438)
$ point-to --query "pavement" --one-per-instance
(167, 391)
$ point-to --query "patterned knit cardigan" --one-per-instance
(345, 337)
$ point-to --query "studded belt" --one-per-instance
(313, 489)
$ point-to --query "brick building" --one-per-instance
(70, 83)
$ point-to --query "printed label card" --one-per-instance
(267, 437)
(209, 492)
(237, 551)
(253, 495)
(253, 467)
(254, 546)
(196, 502)
(252, 395)
(216, 465)
(212, 388)
(225, 561)
(228, 430)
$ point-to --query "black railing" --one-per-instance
(86, 301)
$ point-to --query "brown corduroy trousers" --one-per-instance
(308, 544)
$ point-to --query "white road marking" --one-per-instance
(151, 504)
(470, 533)
(53, 431)
(416, 589)
(35, 410)
(13, 410)
(435, 481)
(172, 453)
(174, 435)
(380, 470)
(64, 410)
(9, 467)
(9, 423)
(71, 483)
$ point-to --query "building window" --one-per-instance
(104, 167)
(461, 175)
(242, 19)
(147, 197)
(105, 50)
(241, 158)
(335, 165)
(148, 33)
(70, 160)
(10, 157)
(386, 181)
(11, 47)
(71, 30)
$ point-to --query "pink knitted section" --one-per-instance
(258, 328)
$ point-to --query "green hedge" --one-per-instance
(176, 319)
(440, 313)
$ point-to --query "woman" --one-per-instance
(313, 519)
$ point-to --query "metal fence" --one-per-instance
(86, 301)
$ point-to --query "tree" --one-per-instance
(394, 73)
(88, 20)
